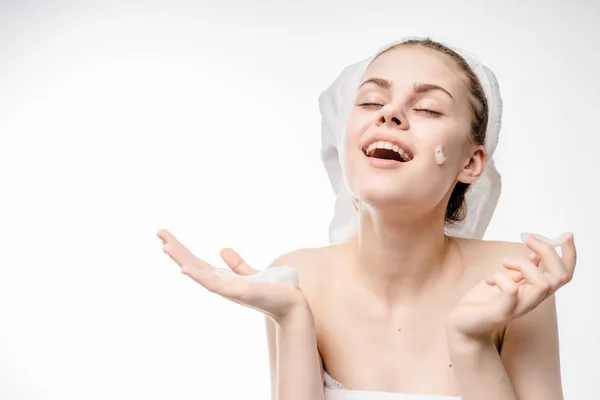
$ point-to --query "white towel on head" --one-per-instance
(335, 104)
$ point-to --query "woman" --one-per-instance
(402, 305)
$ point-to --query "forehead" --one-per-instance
(405, 65)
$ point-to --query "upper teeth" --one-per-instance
(382, 144)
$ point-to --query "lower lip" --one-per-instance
(382, 163)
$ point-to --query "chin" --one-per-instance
(406, 186)
(381, 192)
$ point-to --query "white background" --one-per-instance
(120, 118)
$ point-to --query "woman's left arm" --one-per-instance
(478, 369)
(530, 354)
(528, 366)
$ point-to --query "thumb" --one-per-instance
(236, 262)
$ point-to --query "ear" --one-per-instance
(474, 167)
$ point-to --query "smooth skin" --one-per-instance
(402, 307)
(521, 291)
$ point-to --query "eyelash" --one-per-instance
(430, 112)
(370, 105)
(425, 110)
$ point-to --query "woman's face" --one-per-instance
(413, 98)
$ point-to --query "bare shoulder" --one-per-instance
(314, 265)
(486, 256)
(501, 249)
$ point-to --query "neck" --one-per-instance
(400, 258)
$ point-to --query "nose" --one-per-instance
(388, 114)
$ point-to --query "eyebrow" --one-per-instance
(417, 87)
(382, 83)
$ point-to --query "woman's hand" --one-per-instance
(524, 284)
(277, 298)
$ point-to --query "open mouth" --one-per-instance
(387, 151)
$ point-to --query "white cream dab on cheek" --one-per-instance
(440, 157)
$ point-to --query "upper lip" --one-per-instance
(388, 138)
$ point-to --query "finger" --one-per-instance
(236, 262)
(535, 259)
(553, 264)
(176, 250)
(526, 268)
(202, 272)
(515, 276)
(164, 235)
(569, 255)
(185, 258)
(509, 292)
(532, 274)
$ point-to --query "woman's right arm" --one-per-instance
(296, 368)
(296, 371)
(295, 360)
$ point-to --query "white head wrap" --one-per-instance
(335, 104)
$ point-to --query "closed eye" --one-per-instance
(370, 105)
(427, 111)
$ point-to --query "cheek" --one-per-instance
(451, 144)
(436, 179)
(358, 122)
(349, 154)
(350, 142)
(454, 151)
